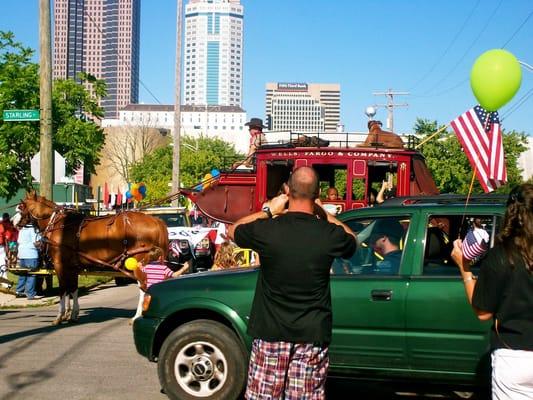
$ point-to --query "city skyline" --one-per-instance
(424, 48)
(100, 37)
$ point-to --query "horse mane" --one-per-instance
(46, 202)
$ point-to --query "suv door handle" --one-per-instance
(381, 295)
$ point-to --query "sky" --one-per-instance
(423, 47)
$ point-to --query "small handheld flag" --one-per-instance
(475, 243)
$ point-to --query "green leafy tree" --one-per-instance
(198, 156)
(449, 165)
(19, 88)
(75, 136)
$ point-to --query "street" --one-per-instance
(93, 359)
(96, 358)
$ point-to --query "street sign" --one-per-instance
(21, 115)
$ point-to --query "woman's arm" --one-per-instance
(469, 279)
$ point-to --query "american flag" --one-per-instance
(479, 133)
(475, 243)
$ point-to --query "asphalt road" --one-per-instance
(92, 359)
(96, 358)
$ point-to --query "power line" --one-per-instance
(467, 50)
(518, 104)
(518, 30)
(449, 46)
(445, 90)
(128, 64)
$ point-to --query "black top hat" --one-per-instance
(256, 123)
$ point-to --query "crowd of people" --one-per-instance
(19, 248)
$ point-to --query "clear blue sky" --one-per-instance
(421, 46)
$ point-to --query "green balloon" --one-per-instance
(495, 78)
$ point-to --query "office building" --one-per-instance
(223, 122)
(213, 53)
(100, 37)
(303, 107)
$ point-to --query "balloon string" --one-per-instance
(468, 198)
(431, 136)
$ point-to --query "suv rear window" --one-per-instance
(442, 230)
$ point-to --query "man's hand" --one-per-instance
(277, 204)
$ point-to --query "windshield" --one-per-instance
(173, 220)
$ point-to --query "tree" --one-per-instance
(198, 156)
(125, 146)
(450, 167)
(75, 136)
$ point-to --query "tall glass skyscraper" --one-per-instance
(213, 52)
(100, 37)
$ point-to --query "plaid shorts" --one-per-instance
(286, 370)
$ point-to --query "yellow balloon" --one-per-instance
(131, 263)
(207, 181)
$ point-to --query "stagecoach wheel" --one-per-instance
(202, 360)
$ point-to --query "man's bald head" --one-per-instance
(303, 184)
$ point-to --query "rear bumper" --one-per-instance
(144, 330)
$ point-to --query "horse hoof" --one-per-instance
(56, 322)
(73, 321)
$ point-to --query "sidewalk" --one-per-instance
(11, 301)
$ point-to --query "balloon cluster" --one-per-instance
(137, 191)
(131, 263)
(208, 180)
(495, 78)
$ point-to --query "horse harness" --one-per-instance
(59, 213)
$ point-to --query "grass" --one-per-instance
(85, 282)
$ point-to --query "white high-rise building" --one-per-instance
(213, 52)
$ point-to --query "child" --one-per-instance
(226, 258)
(154, 272)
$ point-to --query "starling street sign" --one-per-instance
(21, 115)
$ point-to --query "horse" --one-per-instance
(72, 240)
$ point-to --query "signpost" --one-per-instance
(21, 115)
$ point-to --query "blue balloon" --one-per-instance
(142, 190)
(128, 195)
(215, 173)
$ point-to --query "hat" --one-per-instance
(389, 227)
(255, 122)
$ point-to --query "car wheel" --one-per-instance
(202, 360)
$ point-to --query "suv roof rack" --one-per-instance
(448, 199)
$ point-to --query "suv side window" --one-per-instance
(442, 230)
(381, 243)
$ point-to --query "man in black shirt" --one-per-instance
(290, 319)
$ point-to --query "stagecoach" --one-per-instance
(355, 168)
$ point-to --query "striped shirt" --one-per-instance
(156, 273)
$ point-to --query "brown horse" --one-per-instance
(72, 240)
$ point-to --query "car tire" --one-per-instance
(202, 360)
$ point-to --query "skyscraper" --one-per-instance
(303, 107)
(213, 52)
(100, 37)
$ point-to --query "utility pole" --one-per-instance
(45, 86)
(177, 108)
(390, 105)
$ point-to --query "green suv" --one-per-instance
(409, 323)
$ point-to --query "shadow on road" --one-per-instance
(88, 315)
